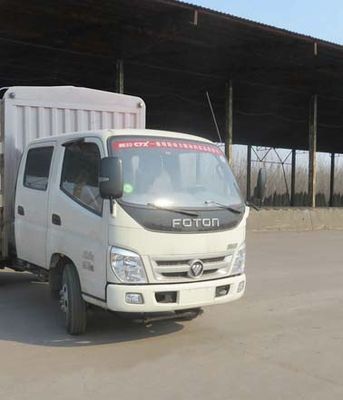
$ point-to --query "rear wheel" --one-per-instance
(72, 303)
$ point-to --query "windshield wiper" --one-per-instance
(176, 210)
(224, 206)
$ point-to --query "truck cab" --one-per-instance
(131, 220)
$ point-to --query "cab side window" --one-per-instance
(80, 175)
(37, 168)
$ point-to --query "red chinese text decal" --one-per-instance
(165, 144)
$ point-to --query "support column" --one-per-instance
(293, 175)
(332, 179)
(228, 121)
(119, 83)
(248, 195)
(312, 168)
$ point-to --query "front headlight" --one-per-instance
(239, 261)
(127, 266)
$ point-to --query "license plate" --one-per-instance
(196, 296)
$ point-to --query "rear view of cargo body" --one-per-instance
(28, 113)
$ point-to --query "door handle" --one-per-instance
(56, 219)
(21, 210)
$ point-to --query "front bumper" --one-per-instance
(188, 295)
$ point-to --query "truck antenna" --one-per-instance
(214, 116)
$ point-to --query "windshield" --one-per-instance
(175, 173)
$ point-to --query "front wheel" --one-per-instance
(72, 303)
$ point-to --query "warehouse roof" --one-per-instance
(173, 54)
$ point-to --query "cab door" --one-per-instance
(31, 204)
(77, 227)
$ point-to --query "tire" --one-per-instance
(55, 282)
(72, 303)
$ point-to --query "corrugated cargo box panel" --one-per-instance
(34, 112)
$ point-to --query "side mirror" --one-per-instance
(111, 178)
(261, 184)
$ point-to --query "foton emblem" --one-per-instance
(195, 223)
(196, 269)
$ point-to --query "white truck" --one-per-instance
(132, 220)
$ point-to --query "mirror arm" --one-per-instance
(252, 205)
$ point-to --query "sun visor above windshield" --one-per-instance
(180, 145)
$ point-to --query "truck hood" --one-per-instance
(125, 232)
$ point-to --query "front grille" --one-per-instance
(176, 268)
(167, 263)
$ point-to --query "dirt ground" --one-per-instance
(283, 340)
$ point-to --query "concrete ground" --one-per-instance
(284, 340)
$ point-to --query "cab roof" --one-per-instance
(106, 133)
